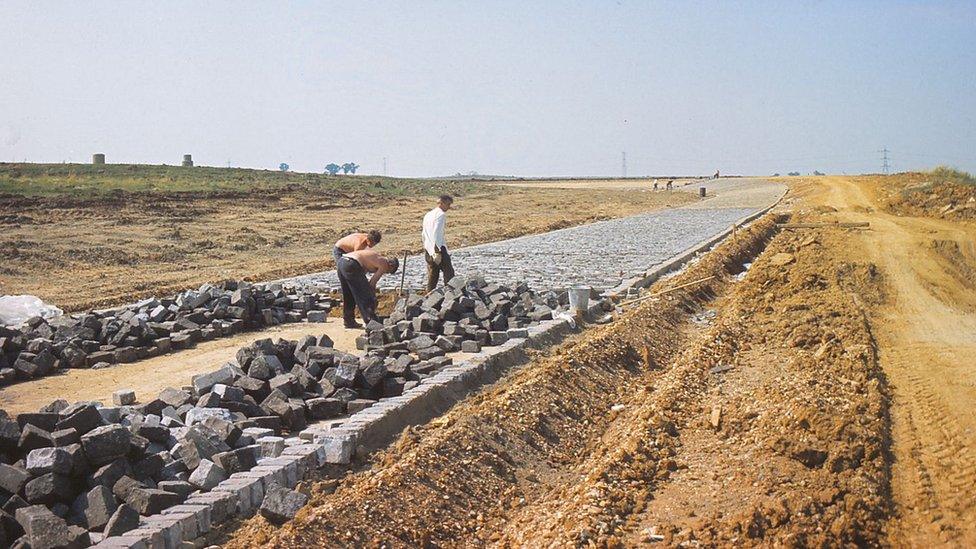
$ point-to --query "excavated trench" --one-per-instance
(750, 412)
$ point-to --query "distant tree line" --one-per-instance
(347, 168)
(331, 169)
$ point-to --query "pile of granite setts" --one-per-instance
(464, 315)
(71, 475)
(88, 471)
(151, 327)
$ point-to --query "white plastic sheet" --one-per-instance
(16, 309)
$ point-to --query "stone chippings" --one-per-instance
(150, 328)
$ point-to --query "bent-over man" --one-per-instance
(355, 241)
(356, 290)
(351, 243)
(435, 245)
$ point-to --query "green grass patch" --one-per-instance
(86, 180)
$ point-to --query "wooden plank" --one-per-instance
(857, 225)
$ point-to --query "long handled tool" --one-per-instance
(669, 290)
(403, 275)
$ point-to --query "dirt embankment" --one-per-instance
(80, 252)
(609, 440)
(942, 194)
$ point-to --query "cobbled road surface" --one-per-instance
(600, 255)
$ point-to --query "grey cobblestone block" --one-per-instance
(271, 446)
(313, 454)
(222, 505)
(339, 445)
(124, 397)
(168, 528)
(249, 492)
(281, 504)
(200, 513)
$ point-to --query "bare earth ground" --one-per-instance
(845, 417)
(610, 441)
(827, 403)
(927, 340)
(80, 252)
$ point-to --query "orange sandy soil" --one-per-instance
(823, 400)
(626, 436)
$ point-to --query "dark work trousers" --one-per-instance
(348, 313)
(434, 270)
(356, 291)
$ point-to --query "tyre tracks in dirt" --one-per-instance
(927, 341)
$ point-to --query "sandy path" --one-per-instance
(150, 376)
(927, 337)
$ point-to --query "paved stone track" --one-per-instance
(600, 254)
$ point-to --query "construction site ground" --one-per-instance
(148, 377)
(821, 398)
(80, 251)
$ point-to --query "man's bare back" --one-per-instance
(370, 260)
(353, 242)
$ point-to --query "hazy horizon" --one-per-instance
(521, 89)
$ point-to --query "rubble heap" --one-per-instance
(150, 328)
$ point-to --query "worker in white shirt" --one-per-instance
(435, 246)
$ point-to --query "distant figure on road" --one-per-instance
(435, 246)
(716, 175)
(351, 243)
(655, 184)
(670, 184)
(356, 291)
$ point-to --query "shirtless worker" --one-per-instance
(351, 243)
(356, 290)
(355, 241)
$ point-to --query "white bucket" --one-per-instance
(579, 299)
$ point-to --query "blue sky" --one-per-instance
(525, 88)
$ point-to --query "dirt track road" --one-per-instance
(927, 339)
(150, 376)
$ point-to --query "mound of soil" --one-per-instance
(922, 194)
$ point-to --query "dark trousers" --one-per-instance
(356, 291)
(434, 270)
(348, 311)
